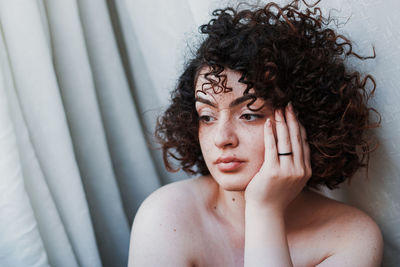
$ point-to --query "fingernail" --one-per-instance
(290, 106)
(268, 122)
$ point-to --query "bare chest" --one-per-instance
(220, 248)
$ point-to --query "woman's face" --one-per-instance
(231, 135)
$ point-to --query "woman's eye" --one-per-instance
(251, 117)
(206, 118)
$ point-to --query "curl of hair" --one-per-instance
(285, 54)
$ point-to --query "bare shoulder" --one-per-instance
(169, 199)
(167, 216)
(355, 238)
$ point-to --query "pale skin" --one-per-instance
(253, 209)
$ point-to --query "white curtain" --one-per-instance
(81, 84)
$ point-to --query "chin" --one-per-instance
(231, 181)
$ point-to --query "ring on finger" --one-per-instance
(285, 154)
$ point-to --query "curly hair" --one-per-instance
(284, 54)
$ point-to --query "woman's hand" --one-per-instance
(286, 166)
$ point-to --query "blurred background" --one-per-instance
(81, 85)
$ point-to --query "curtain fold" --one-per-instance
(49, 223)
(148, 32)
(133, 166)
(20, 242)
(86, 162)
(42, 109)
(78, 91)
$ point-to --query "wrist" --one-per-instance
(269, 210)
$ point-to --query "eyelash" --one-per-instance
(205, 118)
(257, 116)
(208, 119)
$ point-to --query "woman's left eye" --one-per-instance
(251, 117)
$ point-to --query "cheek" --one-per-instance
(254, 138)
(205, 142)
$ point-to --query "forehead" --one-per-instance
(227, 79)
(217, 97)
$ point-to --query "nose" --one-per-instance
(225, 135)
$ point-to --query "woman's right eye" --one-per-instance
(206, 118)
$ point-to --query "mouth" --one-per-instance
(229, 164)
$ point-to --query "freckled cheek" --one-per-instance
(205, 140)
(203, 136)
(253, 139)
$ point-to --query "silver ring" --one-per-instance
(285, 154)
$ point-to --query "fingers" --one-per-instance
(283, 139)
(306, 152)
(295, 137)
(270, 154)
(290, 137)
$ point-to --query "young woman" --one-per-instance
(265, 112)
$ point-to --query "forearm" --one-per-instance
(265, 238)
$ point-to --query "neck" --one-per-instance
(229, 207)
(232, 207)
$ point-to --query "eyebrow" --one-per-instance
(234, 103)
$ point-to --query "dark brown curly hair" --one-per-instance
(285, 54)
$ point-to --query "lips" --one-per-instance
(229, 164)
